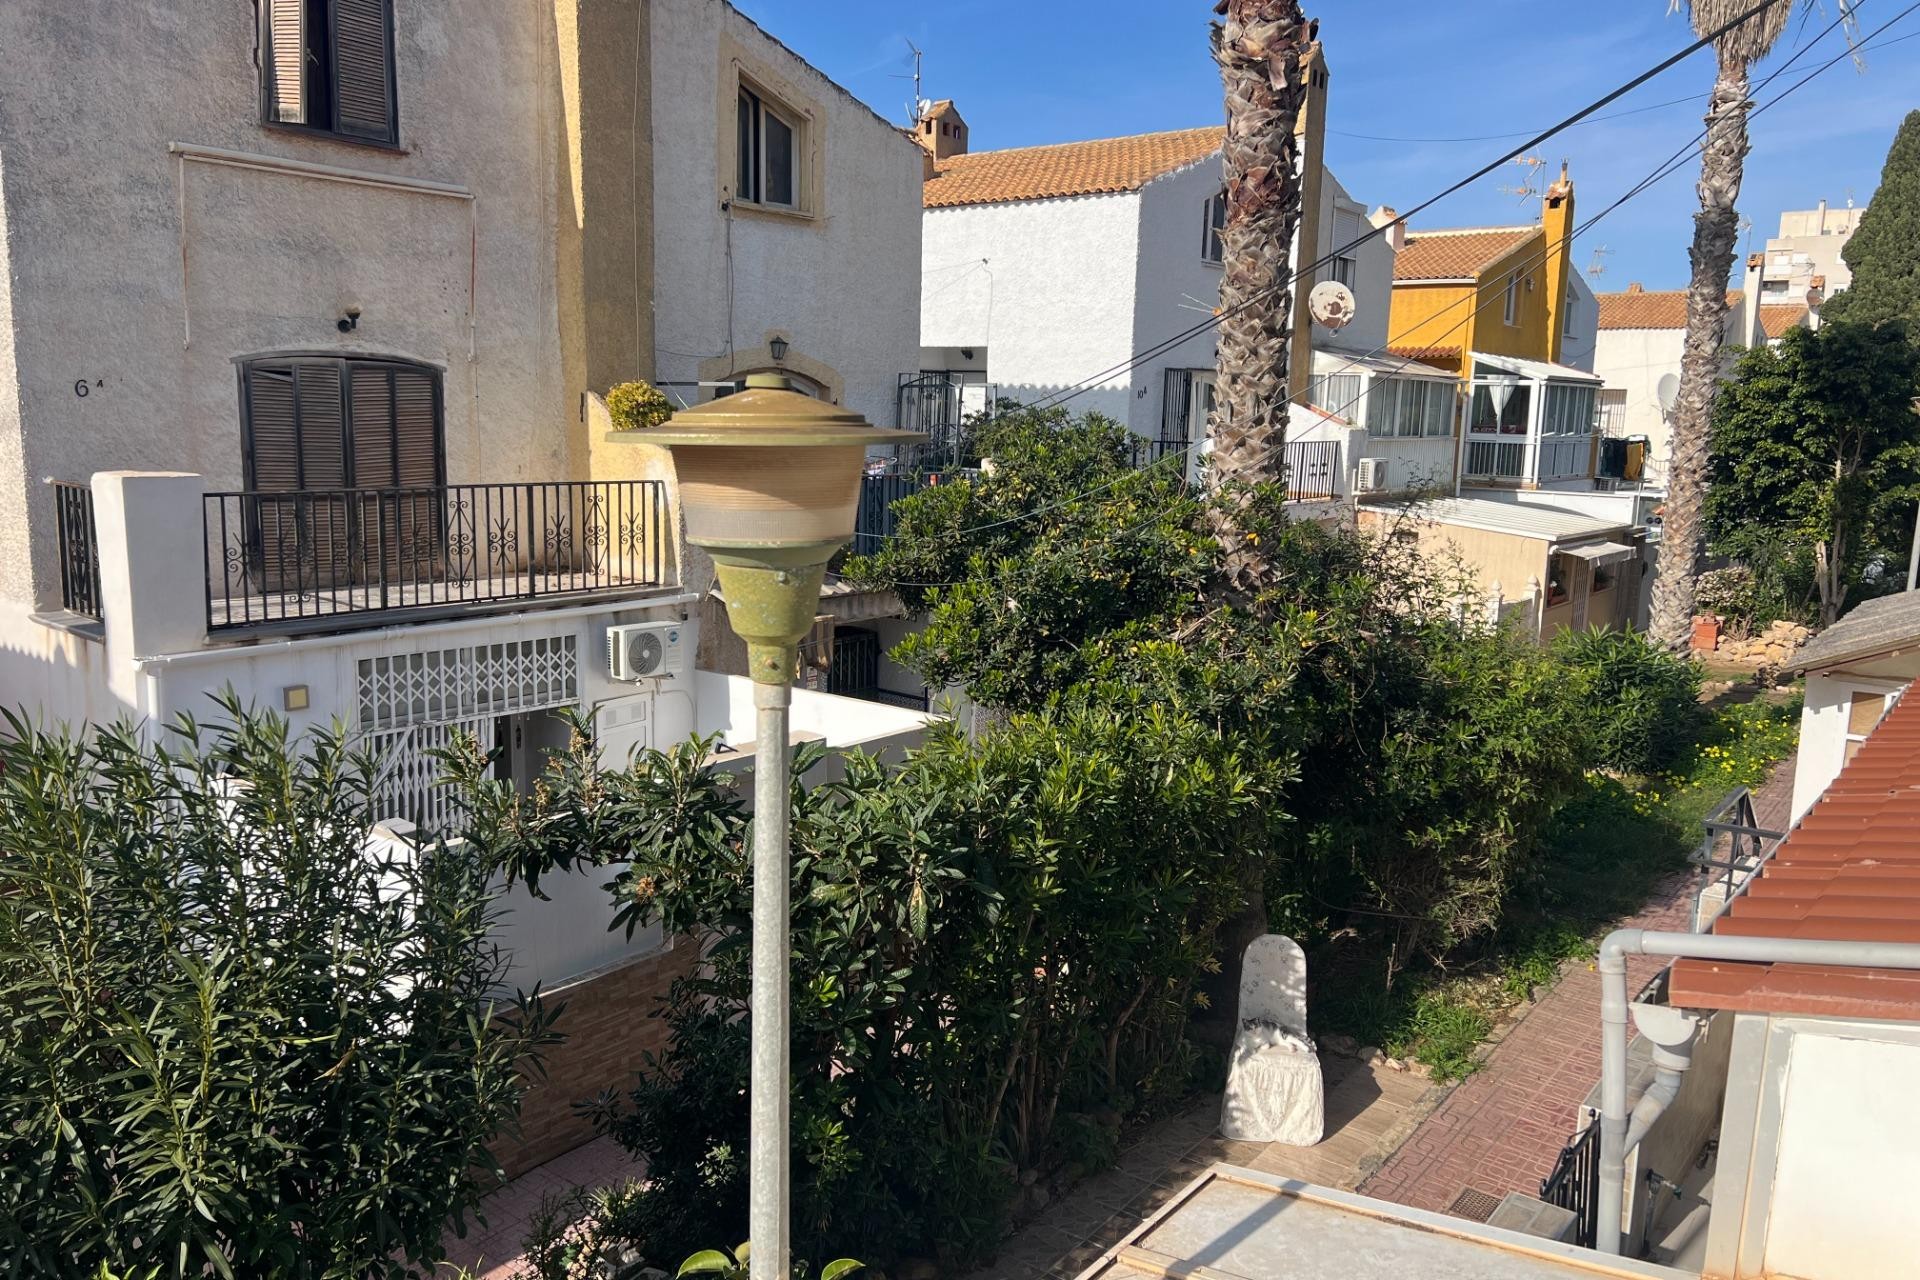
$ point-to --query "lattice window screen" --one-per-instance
(443, 686)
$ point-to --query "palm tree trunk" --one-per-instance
(1715, 230)
(1260, 48)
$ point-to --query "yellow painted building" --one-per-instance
(1495, 290)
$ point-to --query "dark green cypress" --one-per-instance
(1884, 253)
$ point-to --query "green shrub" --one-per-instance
(995, 949)
(634, 406)
(237, 1043)
(1641, 703)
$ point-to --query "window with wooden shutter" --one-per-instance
(287, 59)
(327, 65)
(317, 427)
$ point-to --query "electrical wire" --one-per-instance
(1661, 171)
(1657, 175)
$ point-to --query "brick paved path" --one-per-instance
(1503, 1127)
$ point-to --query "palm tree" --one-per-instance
(1260, 47)
(1715, 229)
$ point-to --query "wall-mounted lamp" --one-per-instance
(778, 348)
(348, 322)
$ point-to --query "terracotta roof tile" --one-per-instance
(1098, 167)
(1779, 317)
(1456, 255)
(1426, 355)
(1850, 871)
(1667, 309)
(1640, 309)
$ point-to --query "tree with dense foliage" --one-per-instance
(239, 1042)
(1261, 46)
(1716, 228)
(1816, 440)
(995, 950)
(1884, 251)
(1427, 752)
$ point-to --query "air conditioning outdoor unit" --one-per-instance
(645, 650)
(1371, 475)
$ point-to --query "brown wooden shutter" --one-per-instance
(372, 391)
(323, 426)
(272, 433)
(286, 61)
(363, 69)
(416, 428)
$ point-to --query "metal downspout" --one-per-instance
(1615, 1122)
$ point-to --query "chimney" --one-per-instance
(1636, 287)
(1389, 217)
(1822, 217)
(1743, 321)
(941, 131)
(1311, 239)
(1556, 219)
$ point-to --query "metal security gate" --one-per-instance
(408, 783)
(1575, 1183)
(413, 704)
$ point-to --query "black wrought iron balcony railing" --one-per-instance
(79, 548)
(310, 559)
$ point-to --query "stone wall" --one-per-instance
(1769, 648)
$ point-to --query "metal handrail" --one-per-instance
(1747, 850)
(311, 558)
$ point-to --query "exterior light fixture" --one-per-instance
(778, 348)
(769, 484)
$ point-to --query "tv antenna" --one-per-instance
(1527, 187)
(918, 107)
(1598, 267)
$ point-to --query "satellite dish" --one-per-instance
(1331, 304)
(1666, 391)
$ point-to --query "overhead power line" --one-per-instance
(1661, 171)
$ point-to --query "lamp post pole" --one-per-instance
(769, 481)
(768, 1151)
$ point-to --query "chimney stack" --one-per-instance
(1389, 217)
(941, 131)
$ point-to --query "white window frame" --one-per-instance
(1213, 233)
(1512, 316)
(1567, 329)
(764, 104)
(1343, 269)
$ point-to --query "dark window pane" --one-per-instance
(780, 167)
(747, 144)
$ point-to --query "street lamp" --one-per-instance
(769, 485)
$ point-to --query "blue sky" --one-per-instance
(1034, 71)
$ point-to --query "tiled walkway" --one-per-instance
(1370, 1111)
(1502, 1128)
(492, 1252)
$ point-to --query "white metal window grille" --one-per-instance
(441, 686)
(407, 784)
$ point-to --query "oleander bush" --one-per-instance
(237, 1042)
(995, 950)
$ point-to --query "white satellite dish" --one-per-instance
(1666, 391)
(1331, 304)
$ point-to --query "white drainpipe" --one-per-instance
(1620, 1132)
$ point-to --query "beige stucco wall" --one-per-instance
(840, 279)
(146, 275)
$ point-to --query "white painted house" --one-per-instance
(305, 310)
(1047, 268)
(1641, 334)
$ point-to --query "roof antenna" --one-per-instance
(917, 109)
(1598, 267)
(1525, 189)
